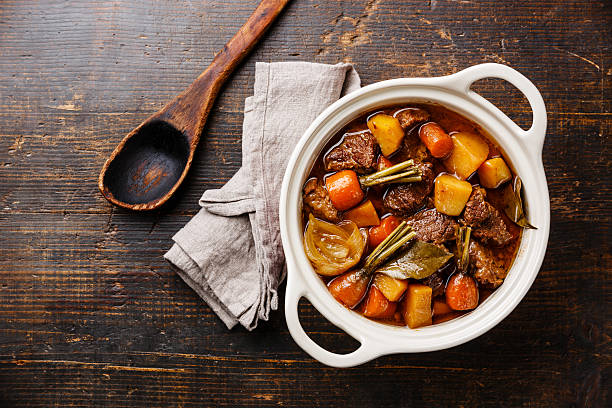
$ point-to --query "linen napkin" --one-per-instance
(230, 253)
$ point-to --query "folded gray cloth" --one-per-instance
(230, 253)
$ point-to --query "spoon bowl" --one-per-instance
(148, 166)
(151, 162)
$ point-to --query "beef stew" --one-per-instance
(406, 215)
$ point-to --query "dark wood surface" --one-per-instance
(90, 313)
(150, 163)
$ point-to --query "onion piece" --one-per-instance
(333, 248)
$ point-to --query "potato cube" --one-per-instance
(493, 173)
(416, 307)
(469, 152)
(387, 131)
(451, 194)
(392, 288)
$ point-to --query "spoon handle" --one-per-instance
(189, 110)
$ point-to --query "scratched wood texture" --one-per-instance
(90, 313)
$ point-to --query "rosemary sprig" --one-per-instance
(404, 172)
(388, 252)
(385, 243)
(463, 247)
(400, 236)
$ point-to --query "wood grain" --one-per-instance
(90, 313)
(148, 166)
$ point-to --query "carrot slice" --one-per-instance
(344, 189)
(461, 292)
(349, 288)
(446, 317)
(440, 308)
(436, 139)
(377, 234)
(377, 305)
(383, 163)
(363, 215)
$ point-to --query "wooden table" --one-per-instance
(91, 314)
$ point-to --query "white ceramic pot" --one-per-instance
(522, 148)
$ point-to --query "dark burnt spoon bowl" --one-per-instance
(148, 166)
(151, 162)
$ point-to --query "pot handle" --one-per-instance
(533, 138)
(295, 291)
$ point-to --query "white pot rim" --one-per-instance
(523, 149)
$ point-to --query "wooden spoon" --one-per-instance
(151, 162)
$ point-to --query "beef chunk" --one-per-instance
(488, 271)
(317, 201)
(406, 199)
(411, 116)
(489, 227)
(476, 209)
(413, 148)
(357, 151)
(437, 280)
(432, 226)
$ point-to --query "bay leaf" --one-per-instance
(513, 204)
(419, 261)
